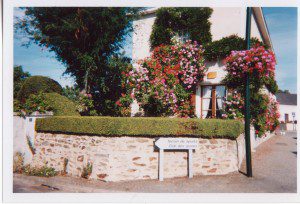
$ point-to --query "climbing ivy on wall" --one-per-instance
(172, 21)
(195, 23)
(220, 49)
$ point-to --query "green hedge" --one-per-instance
(38, 84)
(118, 126)
(61, 105)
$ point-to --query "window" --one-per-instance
(286, 118)
(182, 36)
(212, 100)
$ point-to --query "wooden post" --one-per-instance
(190, 163)
(161, 165)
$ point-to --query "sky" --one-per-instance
(281, 22)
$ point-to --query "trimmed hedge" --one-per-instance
(38, 84)
(126, 126)
(61, 105)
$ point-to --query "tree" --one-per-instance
(284, 91)
(19, 78)
(84, 39)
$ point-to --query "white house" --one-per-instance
(224, 22)
(287, 109)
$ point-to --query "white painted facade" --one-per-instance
(224, 22)
(287, 109)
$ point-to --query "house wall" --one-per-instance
(141, 37)
(225, 21)
(131, 158)
(287, 109)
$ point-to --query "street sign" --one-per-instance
(177, 143)
(173, 144)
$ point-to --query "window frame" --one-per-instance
(213, 99)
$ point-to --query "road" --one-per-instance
(274, 171)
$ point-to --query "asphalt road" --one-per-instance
(274, 171)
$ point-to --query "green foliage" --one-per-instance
(36, 103)
(71, 93)
(87, 170)
(113, 86)
(283, 91)
(153, 127)
(36, 85)
(18, 162)
(43, 102)
(220, 49)
(19, 78)
(271, 85)
(176, 21)
(17, 106)
(30, 145)
(85, 39)
(234, 106)
(61, 105)
(42, 171)
(85, 105)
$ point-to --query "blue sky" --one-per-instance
(282, 25)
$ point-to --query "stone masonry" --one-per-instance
(131, 158)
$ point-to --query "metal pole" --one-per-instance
(247, 100)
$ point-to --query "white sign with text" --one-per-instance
(176, 144)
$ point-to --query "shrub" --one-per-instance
(126, 126)
(164, 82)
(61, 105)
(87, 170)
(37, 84)
(36, 103)
(18, 162)
(42, 171)
(259, 63)
(85, 105)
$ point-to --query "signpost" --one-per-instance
(294, 125)
(176, 144)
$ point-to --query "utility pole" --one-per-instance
(247, 100)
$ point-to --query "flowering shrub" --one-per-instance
(259, 63)
(234, 106)
(36, 103)
(85, 105)
(164, 82)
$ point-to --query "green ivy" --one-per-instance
(172, 21)
(220, 49)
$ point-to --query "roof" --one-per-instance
(286, 99)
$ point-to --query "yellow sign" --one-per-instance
(211, 75)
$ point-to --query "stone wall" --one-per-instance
(130, 158)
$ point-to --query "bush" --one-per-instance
(61, 105)
(18, 162)
(126, 126)
(37, 84)
(42, 171)
(36, 103)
